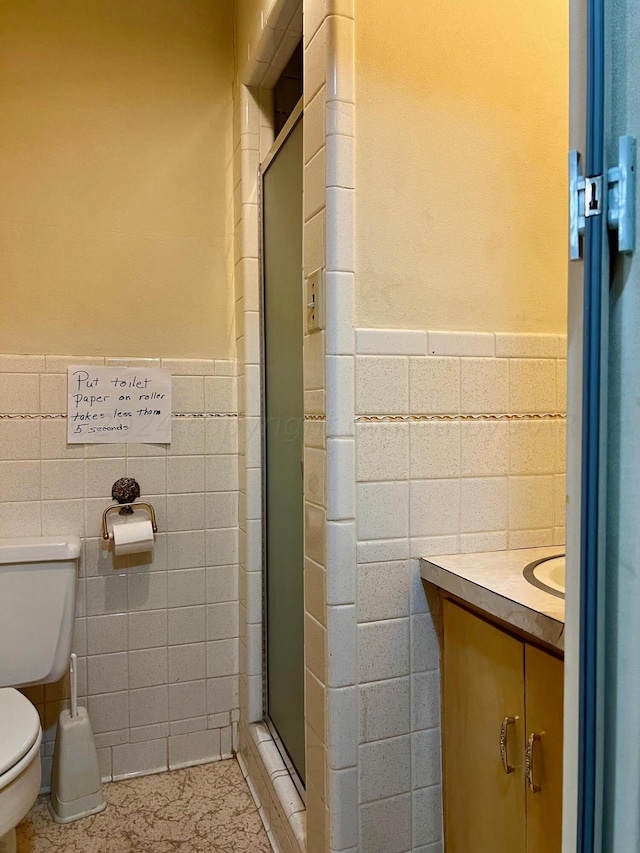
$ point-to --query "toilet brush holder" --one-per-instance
(76, 784)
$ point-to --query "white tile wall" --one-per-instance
(385, 768)
(462, 343)
(466, 476)
(385, 709)
(484, 385)
(484, 448)
(391, 342)
(434, 507)
(383, 591)
(382, 385)
(435, 385)
(383, 510)
(385, 826)
(157, 639)
(383, 650)
(437, 475)
(383, 451)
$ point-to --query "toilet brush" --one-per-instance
(76, 786)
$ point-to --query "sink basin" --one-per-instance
(548, 574)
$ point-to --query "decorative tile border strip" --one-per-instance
(519, 416)
(63, 417)
(207, 415)
(541, 416)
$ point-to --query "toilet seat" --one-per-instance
(19, 732)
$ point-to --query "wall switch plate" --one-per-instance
(314, 301)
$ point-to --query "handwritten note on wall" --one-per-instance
(108, 405)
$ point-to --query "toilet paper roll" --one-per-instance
(132, 537)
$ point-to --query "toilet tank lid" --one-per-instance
(39, 549)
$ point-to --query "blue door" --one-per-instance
(621, 646)
(608, 543)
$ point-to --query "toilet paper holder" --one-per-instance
(125, 491)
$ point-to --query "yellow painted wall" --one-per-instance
(461, 151)
(116, 177)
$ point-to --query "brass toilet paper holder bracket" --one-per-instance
(125, 491)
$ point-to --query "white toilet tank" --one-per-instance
(37, 608)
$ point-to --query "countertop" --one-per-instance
(493, 582)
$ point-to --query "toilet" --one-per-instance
(37, 609)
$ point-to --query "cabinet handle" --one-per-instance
(504, 734)
(528, 763)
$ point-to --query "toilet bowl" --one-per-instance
(20, 773)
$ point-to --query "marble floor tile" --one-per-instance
(206, 808)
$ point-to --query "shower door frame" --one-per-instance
(290, 125)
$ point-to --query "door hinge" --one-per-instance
(586, 198)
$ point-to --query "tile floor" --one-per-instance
(206, 808)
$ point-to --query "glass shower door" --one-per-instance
(284, 423)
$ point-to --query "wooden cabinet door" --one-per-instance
(544, 687)
(483, 682)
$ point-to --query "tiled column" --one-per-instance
(329, 382)
(315, 485)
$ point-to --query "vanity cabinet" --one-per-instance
(502, 739)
